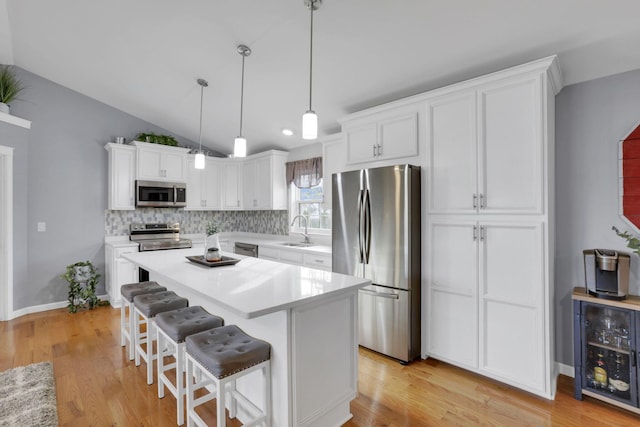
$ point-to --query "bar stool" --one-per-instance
(128, 292)
(173, 327)
(146, 307)
(219, 357)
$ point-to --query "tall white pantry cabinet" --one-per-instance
(489, 225)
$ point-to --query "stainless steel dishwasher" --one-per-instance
(246, 249)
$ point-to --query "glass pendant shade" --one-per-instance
(309, 125)
(240, 147)
(199, 161)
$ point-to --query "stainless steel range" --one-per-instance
(156, 237)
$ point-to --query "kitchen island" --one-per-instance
(309, 316)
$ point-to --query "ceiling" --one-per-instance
(144, 56)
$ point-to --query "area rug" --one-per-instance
(28, 396)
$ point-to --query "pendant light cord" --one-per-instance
(311, 7)
(242, 94)
(201, 97)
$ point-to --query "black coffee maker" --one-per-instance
(606, 273)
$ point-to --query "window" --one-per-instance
(309, 202)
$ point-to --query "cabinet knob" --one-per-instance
(482, 203)
(475, 201)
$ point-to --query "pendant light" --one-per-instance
(199, 160)
(240, 143)
(310, 119)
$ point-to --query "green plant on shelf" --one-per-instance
(82, 278)
(10, 86)
(157, 139)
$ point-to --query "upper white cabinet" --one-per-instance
(203, 185)
(122, 175)
(264, 181)
(383, 135)
(231, 184)
(489, 225)
(486, 148)
(161, 163)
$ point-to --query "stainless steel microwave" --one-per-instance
(159, 194)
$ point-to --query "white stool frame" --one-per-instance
(147, 338)
(204, 378)
(126, 326)
(168, 347)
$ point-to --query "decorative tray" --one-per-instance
(199, 259)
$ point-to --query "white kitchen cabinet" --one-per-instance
(161, 163)
(320, 262)
(231, 184)
(333, 161)
(487, 315)
(296, 257)
(486, 148)
(489, 242)
(122, 175)
(264, 181)
(118, 271)
(381, 136)
(203, 185)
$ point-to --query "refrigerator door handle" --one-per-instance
(367, 226)
(360, 224)
(380, 294)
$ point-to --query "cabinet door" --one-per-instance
(362, 143)
(174, 166)
(398, 137)
(333, 160)
(511, 146)
(150, 164)
(122, 166)
(452, 154)
(512, 312)
(249, 196)
(231, 185)
(211, 184)
(451, 317)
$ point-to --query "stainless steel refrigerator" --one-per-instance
(376, 235)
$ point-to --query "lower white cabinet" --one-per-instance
(118, 271)
(296, 257)
(486, 306)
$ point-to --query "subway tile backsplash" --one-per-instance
(193, 222)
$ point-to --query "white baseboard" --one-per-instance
(45, 307)
(566, 370)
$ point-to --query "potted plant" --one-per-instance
(10, 87)
(82, 278)
(212, 242)
(157, 139)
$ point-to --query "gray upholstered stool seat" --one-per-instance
(146, 307)
(127, 293)
(158, 302)
(218, 357)
(173, 327)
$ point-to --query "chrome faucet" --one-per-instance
(306, 232)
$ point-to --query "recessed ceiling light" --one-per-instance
(287, 132)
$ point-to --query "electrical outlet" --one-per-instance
(42, 226)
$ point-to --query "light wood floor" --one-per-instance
(96, 385)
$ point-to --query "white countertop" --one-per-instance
(253, 287)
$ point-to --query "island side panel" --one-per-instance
(324, 360)
(273, 328)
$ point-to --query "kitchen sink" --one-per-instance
(296, 244)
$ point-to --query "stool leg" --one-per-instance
(123, 324)
(132, 325)
(221, 403)
(150, 354)
(136, 333)
(179, 355)
(233, 402)
(160, 343)
(267, 394)
(189, 392)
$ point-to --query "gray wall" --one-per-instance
(61, 173)
(591, 119)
